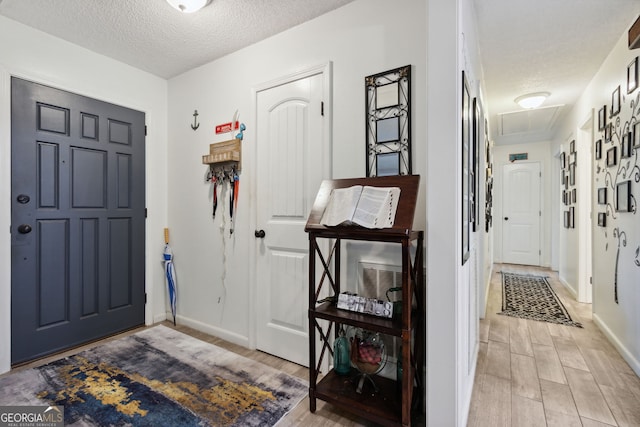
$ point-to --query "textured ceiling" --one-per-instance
(551, 46)
(526, 46)
(153, 36)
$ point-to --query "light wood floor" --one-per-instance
(532, 373)
(529, 373)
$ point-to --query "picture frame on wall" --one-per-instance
(612, 156)
(602, 219)
(572, 217)
(625, 146)
(574, 196)
(602, 196)
(636, 135)
(563, 160)
(615, 102)
(572, 174)
(632, 75)
(623, 196)
(608, 130)
(572, 146)
(598, 153)
(388, 122)
(602, 118)
(466, 169)
(566, 219)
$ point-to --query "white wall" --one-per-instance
(35, 56)
(538, 152)
(619, 321)
(358, 41)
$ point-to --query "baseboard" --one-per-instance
(211, 330)
(624, 351)
(572, 291)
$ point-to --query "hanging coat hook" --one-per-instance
(195, 124)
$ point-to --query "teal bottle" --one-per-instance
(341, 360)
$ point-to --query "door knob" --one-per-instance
(24, 229)
(259, 234)
(506, 218)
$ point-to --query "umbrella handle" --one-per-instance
(166, 236)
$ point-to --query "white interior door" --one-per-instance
(291, 156)
(521, 213)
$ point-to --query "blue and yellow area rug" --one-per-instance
(157, 377)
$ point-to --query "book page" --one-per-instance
(377, 207)
(342, 204)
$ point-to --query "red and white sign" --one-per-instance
(226, 127)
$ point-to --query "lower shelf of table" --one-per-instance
(383, 407)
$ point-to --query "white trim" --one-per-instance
(626, 354)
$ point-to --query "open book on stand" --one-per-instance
(370, 207)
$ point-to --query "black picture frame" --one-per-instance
(572, 217)
(602, 196)
(388, 119)
(466, 169)
(572, 174)
(598, 153)
(615, 102)
(623, 196)
(475, 163)
(608, 131)
(566, 219)
(574, 196)
(625, 146)
(572, 146)
(602, 117)
(602, 219)
(563, 160)
(636, 135)
(632, 75)
(612, 156)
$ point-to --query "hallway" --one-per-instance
(532, 373)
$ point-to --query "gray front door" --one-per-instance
(77, 219)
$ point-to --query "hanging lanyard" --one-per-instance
(215, 195)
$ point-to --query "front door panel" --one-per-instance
(77, 234)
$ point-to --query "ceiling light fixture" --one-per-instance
(532, 100)
(188, 6)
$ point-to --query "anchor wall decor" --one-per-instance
(195, 124)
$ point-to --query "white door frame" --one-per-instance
(326, 70)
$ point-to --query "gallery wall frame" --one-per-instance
(602, 117)
(636, 135)
(623, 196)
(615, 102)
(466, 115)
(388, 122)
(625, 146)
(602, 196)
(598, 149)
(612, 156)
(602, 219)
(632, 75)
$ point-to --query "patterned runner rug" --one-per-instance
(157, 377)
(531, 297)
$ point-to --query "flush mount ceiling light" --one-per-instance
(188, 6)
(532, 100)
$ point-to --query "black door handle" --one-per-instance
(23, 199)
(24, 229)
(506, 218)
(259, 234)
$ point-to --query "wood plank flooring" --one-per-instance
(529, 373)
(534, 373)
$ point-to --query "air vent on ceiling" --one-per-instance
(528, 121)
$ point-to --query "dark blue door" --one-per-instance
(77, 219)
